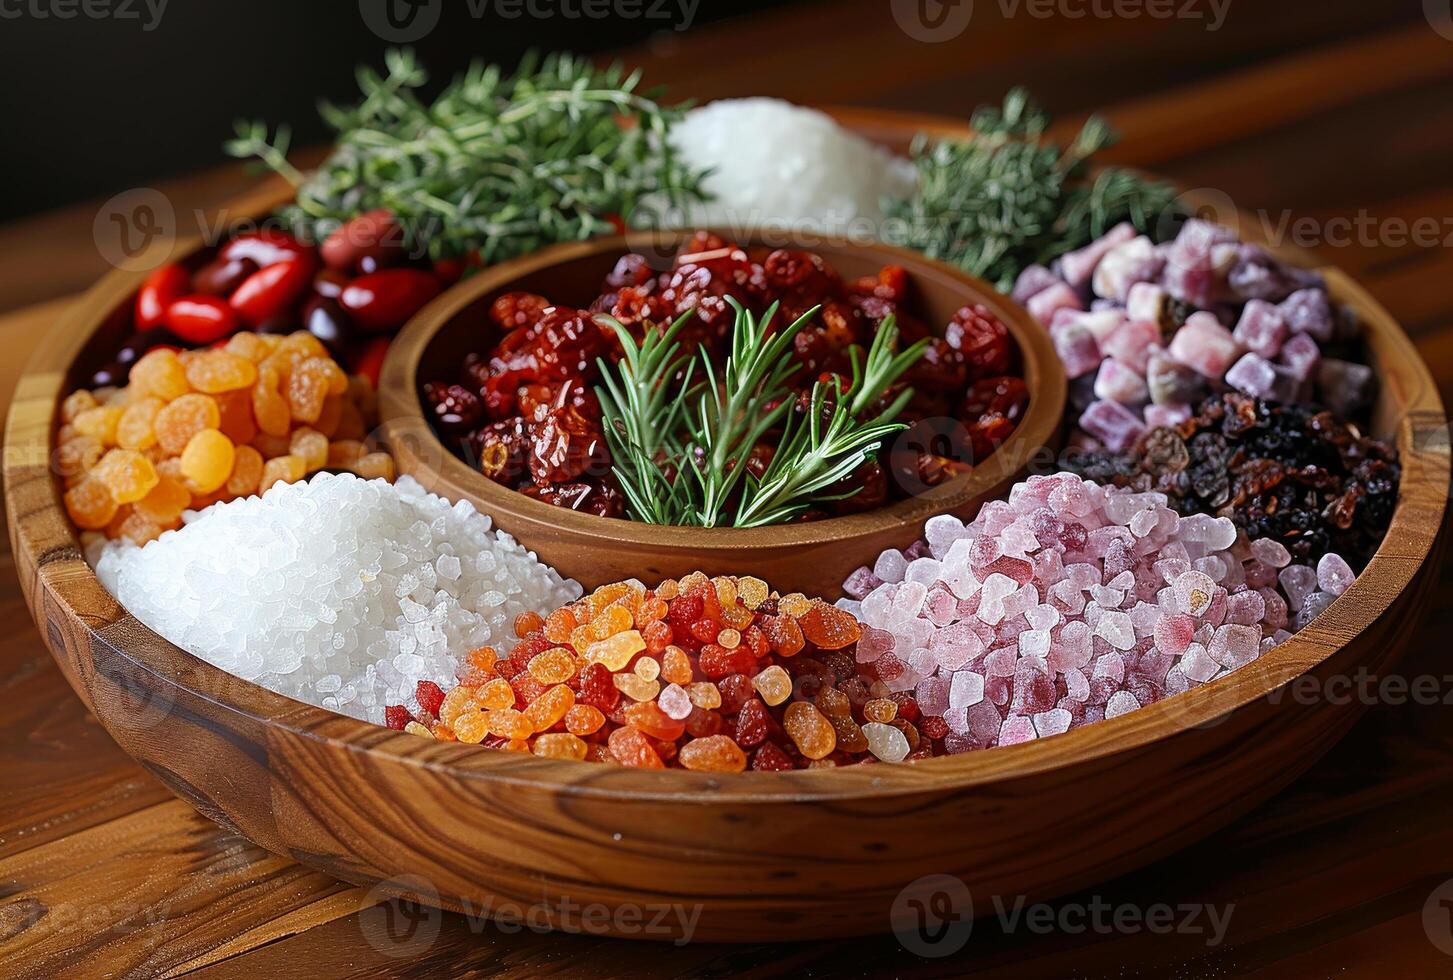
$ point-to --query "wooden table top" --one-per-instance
(1339, 112)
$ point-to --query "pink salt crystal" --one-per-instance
(1270, 552)
(1126, 266)
(1175, 682)
(922, 662)
(956, 744)
(1077, 685)
(1154, 664)
(966, 689)
(1121, 702)
(1255, 376)
(1194, 272)
(1235, 645)
(1068, 599)
(674, 702)
(1000, 662)
(873, 644)
(890, 566)
(1043, 617)
(908, 600)
(1034, 643)
(861, 582)
(941, 607)
(1131, 342)
(1197, 664)
(1078, 266)
(1166, 416)
(1052, 722)
(1334, 575)
(1033, 686)
(1016, 729)
(1093, 713)
(924, 571)
(1109, 666)
(1297, 582)
(997, 690)
(1113, 424)
(1261, 329)
(1077, 349)
(1204, 345)
(1245, 608)
(1033, 280)
(1307, 311)
(1193, 592)
(1119, 382)
(1301, 356)
(1059, 296)
(941, 531)
(1144, 302)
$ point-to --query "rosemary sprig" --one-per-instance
(499, 164)
(1006, 198)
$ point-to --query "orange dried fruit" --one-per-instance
(218, 370)
(714, 753)
(269, 406)
(99, 423)
(375, 466)
(560, 745)
(77, 402)
(281, 469)
(90, 505)
(829, 627)
(312, 446)
(187, 415)
(165, 503)
(246, 474)
(136, 427)
(237, 423)
(207, 461)
(126, 473)
(160, 373)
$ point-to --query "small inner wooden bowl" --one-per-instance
(813, 558)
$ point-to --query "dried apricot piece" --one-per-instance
(309, 387)
(90, 505)
(312, 446)
(375, 466)
(584, 719)
(331, 415)
(165, 502)
(207, 461)
(282, 469)
(218, 370)
(237, 423)
(99, 423)
(344, 453)
(829, 627)
(135, 429)
(137, 529)
(247, 464)
(77, 402)
(160, 373)
(250, 345)
(187, 415)
(127, 474)
(75, 457)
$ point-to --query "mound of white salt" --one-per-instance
(778, 165)
(339, 591)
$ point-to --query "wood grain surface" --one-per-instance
(1334, 110)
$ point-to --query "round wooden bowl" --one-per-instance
(813, 558)
(760, 856)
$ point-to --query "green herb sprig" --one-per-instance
(499, 164)
(1007, 198)
(680, 448)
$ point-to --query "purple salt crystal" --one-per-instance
(1195, 269)
(890, 566)
(1345, 387)
(1194, 592)
(932, 695)
(1307, 311)
(1313, 607)
(924, 571)
(1033, 686)
(1059, 296)
(1197, 664)
(1298, 582)
(1125, 266)
(1235, 646)
(1255, 376)
(861, 582)
(1171, 382)
(1334, 575)
(1121, 702)
(941, 532)
(1078, 266)
(1301, 356)
(1261, 329)
(1131, 343)
(1113, 424)
(1145, 301)
(1270, 552)
(1118, 382)
(1245, 608)
(1076, 348)
(917, 549)
(1204, 345)
(1034, 280)
(1166, 416)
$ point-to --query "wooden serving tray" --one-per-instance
(761, 856)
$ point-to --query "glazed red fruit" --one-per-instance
(566, 343)
(514, 310)
(430, 696)
(161, 289)
(396, 716)
(982, 339)
(565, 445)
(992, 410)
(371, 234)
(369, 359)
(382, 301)
(499, 451)
(769, 758)
(272, 289)
(201, 320)
(264, 247)
(222, 276)
(581, 496)
(453, 408)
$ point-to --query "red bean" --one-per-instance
(264, 247)
(371, 235)
(272, 289)
(221, 276)
(382, 301)
(163, 287)
(368, 361)
(329, 283)
(201, 320)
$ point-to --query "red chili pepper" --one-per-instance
(163, 287)
(264, 247)
(201, 320)
(382, 301)
(369, 359)
(271, 289)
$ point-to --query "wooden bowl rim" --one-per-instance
(44, 540)
(402, 420)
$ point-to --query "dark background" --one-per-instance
(94, 106)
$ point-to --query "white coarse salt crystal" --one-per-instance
(336, 589)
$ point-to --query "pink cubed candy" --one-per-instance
(1145, 302)
(1125, 266)
(1034, 280)
(1076, 348)
(1056, 297)
(1256, 376)
(1113, 424)
(1131, 342)
(1196, 268)
(1166, 416)
(1204, 345)
(1307, 311)
(1078, 266)
(1262, 329)
(1301, 356)
(1119, 382)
